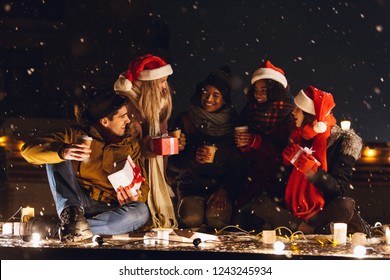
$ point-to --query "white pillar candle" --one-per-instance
(27, 214)
(7, 228)
(16, 228)
(387, 236)
(340, 233)
(269, 236)
(163, 235)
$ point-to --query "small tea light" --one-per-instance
(269, 236)
(8, 228)
(387, 236)
(358, 238)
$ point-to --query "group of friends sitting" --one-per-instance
(281, 161)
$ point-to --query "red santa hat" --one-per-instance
(269, 71)
(315, 102)
(143, 68)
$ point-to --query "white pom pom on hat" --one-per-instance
(123, 84)
(315, 102)
(320, 127)
(269, 71)
(143, 68)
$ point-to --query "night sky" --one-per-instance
(338, 46)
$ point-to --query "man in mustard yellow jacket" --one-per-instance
(86, 202)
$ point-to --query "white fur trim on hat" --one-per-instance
(154, 74)
(268, 73)
(122, 84)
(320, 127)
(305, 103)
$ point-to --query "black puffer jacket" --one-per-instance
(193, 178)
(344, 149)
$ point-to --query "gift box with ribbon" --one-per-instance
(298, 150)
(165, 145)
(128, 175)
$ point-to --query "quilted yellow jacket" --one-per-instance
(91, 174)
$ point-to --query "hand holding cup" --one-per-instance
(206, 153)
(79, 151)
(241, 136)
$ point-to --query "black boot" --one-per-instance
(74, 226)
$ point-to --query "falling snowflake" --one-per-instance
(379, 28)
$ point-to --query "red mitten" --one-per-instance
(307, 164)
(289, 152)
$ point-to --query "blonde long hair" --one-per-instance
(155, 103)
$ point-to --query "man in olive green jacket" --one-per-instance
(86, 202)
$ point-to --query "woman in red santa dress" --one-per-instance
(323, 156)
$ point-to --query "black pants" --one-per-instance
(340, 210)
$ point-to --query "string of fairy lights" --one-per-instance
(277, 239)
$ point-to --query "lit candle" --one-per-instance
(340, 233)
(269, 236)
(345, 125)
(358, 238)
(7, 228)
(163, 235)
(16, 228)
(387, 236)
(27, 214)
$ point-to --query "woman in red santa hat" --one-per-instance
(323, 156)
(146, 84)
(267, 114)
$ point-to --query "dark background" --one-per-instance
(50, 49)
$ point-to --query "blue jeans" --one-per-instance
(103, 218)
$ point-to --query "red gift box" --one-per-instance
(298, 150)
(165, 145)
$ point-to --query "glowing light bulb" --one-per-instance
(36, 238)
(345, 125)
(359, 251)
(279, 246)
(370, 152)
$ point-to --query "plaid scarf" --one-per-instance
(265, 117)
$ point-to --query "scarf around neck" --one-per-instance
(302, 198)
(265, 117)
(216, 123)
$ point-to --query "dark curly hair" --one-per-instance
(276, 92)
